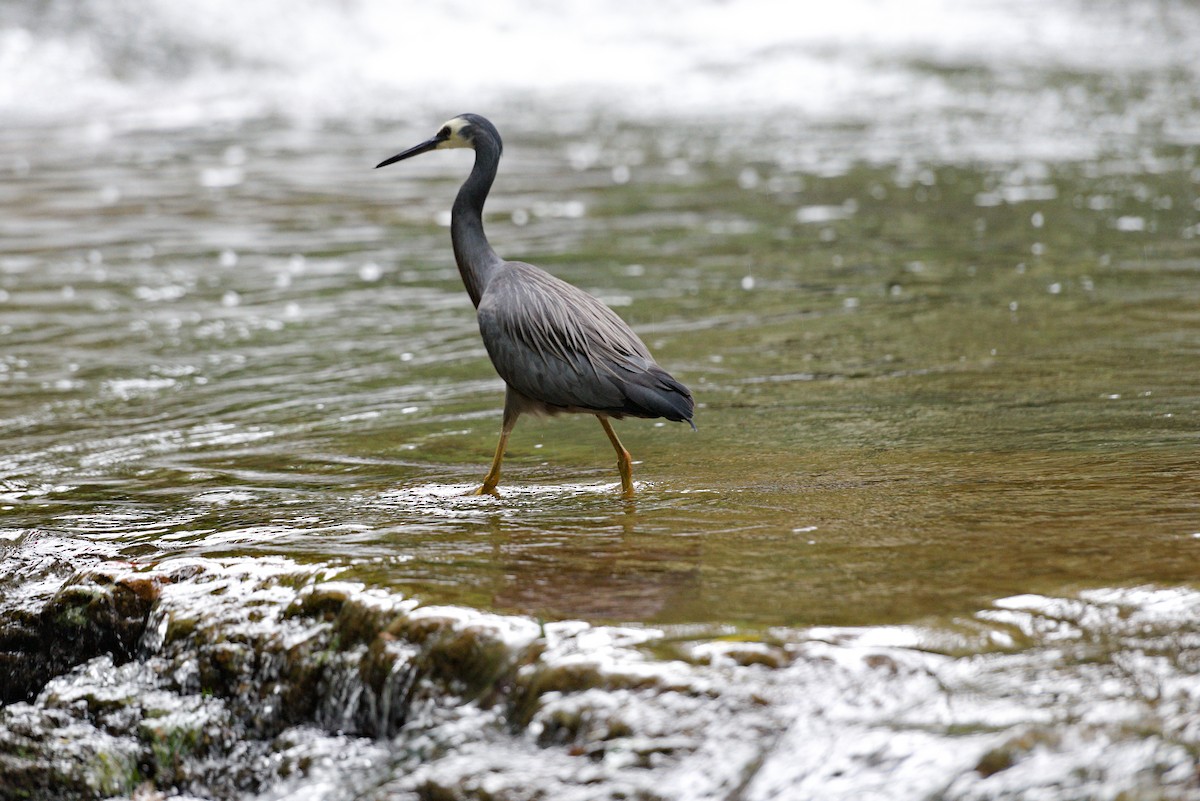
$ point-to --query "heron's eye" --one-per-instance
(444, 133)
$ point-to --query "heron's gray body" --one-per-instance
(557, 348)
(563, 350)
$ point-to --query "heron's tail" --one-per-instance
(656, 393)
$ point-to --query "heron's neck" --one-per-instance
(475, 257)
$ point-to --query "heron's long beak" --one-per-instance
(424, 147)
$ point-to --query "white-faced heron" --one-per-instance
(557, 348)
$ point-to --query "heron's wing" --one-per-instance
(555, 343)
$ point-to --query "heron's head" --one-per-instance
(465, 130)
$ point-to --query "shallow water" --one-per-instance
(927, 399)
(940, 514)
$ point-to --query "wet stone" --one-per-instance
(94, 614)
(46, 756)
(262, 678)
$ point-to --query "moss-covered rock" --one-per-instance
(95, 613)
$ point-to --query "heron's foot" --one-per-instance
(485, 490)
(625, 467)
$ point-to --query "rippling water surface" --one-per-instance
(944, 340)
(919, 388)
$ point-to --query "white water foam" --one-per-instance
(165, 63)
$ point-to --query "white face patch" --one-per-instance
(456, 138)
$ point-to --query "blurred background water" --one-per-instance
(984, 79)
(932, 270)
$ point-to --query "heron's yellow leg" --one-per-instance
(493, 475)
(624, 462)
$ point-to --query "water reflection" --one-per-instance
(554, 551)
